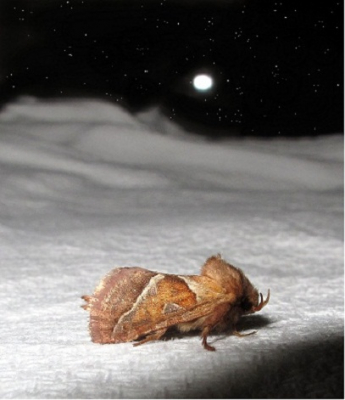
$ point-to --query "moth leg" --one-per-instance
(204, 335)
(239, 334)
(213, 320)
(153, 336)
(87, 305)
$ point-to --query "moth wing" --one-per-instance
(112, 298)
(169, 300)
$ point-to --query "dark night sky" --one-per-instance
(277, 66)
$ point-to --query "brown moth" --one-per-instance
(138, 304)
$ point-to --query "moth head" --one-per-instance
(252, 301)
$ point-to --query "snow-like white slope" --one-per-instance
(86, 186)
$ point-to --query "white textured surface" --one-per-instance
(86, 187)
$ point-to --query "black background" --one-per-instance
(277, 65)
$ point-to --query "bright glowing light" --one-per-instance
(202, 82)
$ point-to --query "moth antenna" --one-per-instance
(262, 302)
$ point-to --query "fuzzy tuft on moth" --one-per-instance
(136, 304)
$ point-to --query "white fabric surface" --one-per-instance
(86, 187)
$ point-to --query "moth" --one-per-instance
(136, 304)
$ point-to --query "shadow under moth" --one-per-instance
(135, 304)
